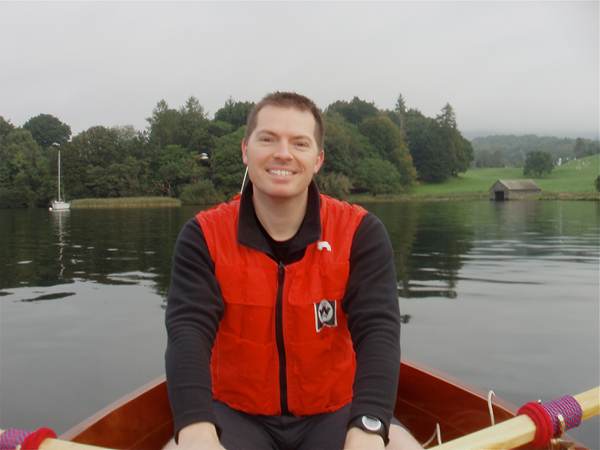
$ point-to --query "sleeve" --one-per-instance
(194, 309)
(371, 304)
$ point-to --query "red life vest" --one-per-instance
(320, 360)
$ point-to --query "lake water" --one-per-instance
(502, 296)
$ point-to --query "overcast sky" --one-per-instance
(506, 67)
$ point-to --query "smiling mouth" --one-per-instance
(280, 172)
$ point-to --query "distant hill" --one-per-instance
(573, 177)
(511, 150)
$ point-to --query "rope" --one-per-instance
(14, 438)
(490, 397)
(568, 408)
(552, 419)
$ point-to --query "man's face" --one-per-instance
(281, 153)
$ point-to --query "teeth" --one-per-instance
(279, 172)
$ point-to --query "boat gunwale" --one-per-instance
(437, 375)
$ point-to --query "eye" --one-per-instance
(265, 139)
(302, 144)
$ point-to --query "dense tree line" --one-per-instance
(512, 151)
(184, 153)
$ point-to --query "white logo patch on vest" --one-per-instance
(323, 245)
(325, 314)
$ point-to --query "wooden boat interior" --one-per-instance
(142, 420)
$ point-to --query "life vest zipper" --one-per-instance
(279, 339)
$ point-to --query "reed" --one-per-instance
(126, 202)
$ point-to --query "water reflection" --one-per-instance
(113, 247)
(432, 242)
(59, 220)
(427, 260)
(55, 296)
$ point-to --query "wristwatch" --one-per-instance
(370, 424)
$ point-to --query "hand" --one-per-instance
(357, 439)
(197, 436)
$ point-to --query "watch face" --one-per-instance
(371, 423)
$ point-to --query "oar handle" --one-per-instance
(59, 444)
(589, 402)
(518, 430)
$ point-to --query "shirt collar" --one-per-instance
(249, 233)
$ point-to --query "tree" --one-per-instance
(192, 131)
(538, 163)
(355, 111)
(579, 148)
(389, 142)
(234, 113)
(585, 147)
(202, 192)
(177, 168)
(344, 145)
(47, 130)
(430, 156)
(598, 183)
(400, 106)
(400, 112)
(92, 160)
(24, 177)
(447, 117)
(377, 176)
(163, 125)
(334, 184)
(226, 163)
(5, 128)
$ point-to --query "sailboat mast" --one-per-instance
(59, 175)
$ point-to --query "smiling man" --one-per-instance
(282, 317)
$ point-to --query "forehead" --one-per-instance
(281, 120)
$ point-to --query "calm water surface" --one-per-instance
(502, 296)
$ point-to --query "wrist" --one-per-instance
(357, 439)
(370, 424)
(198, 432)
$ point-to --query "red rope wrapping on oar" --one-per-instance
(28, 440)
(547, 418)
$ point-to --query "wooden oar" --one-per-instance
(517, 431)
(58, 444)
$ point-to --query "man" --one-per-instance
(282, 316)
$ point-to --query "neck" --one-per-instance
(280, 217)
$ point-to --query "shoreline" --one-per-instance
(126, 202)
(169, 202)
(465, 196)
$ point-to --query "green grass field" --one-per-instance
(573, 177)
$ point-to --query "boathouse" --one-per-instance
(513, 189)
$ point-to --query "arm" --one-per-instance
(194, 309)
(371, 303)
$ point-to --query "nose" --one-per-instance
(283, 151)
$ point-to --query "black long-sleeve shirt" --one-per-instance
(195, 307)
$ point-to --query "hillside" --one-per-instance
(575, 176)
(511, 150)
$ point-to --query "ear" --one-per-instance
(320, 161)
(244, 146)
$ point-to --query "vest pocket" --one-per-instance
(246, 374)
(248, 285)
(321, 375)
(319, 282)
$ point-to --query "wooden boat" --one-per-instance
(142, 420)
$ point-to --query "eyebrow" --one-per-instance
(299, 136)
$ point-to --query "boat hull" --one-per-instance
(60, 206)
(142, 420)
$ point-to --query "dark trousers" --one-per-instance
(241, 431)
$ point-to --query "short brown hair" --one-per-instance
(287, 100)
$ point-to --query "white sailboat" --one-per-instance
(59, 204)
